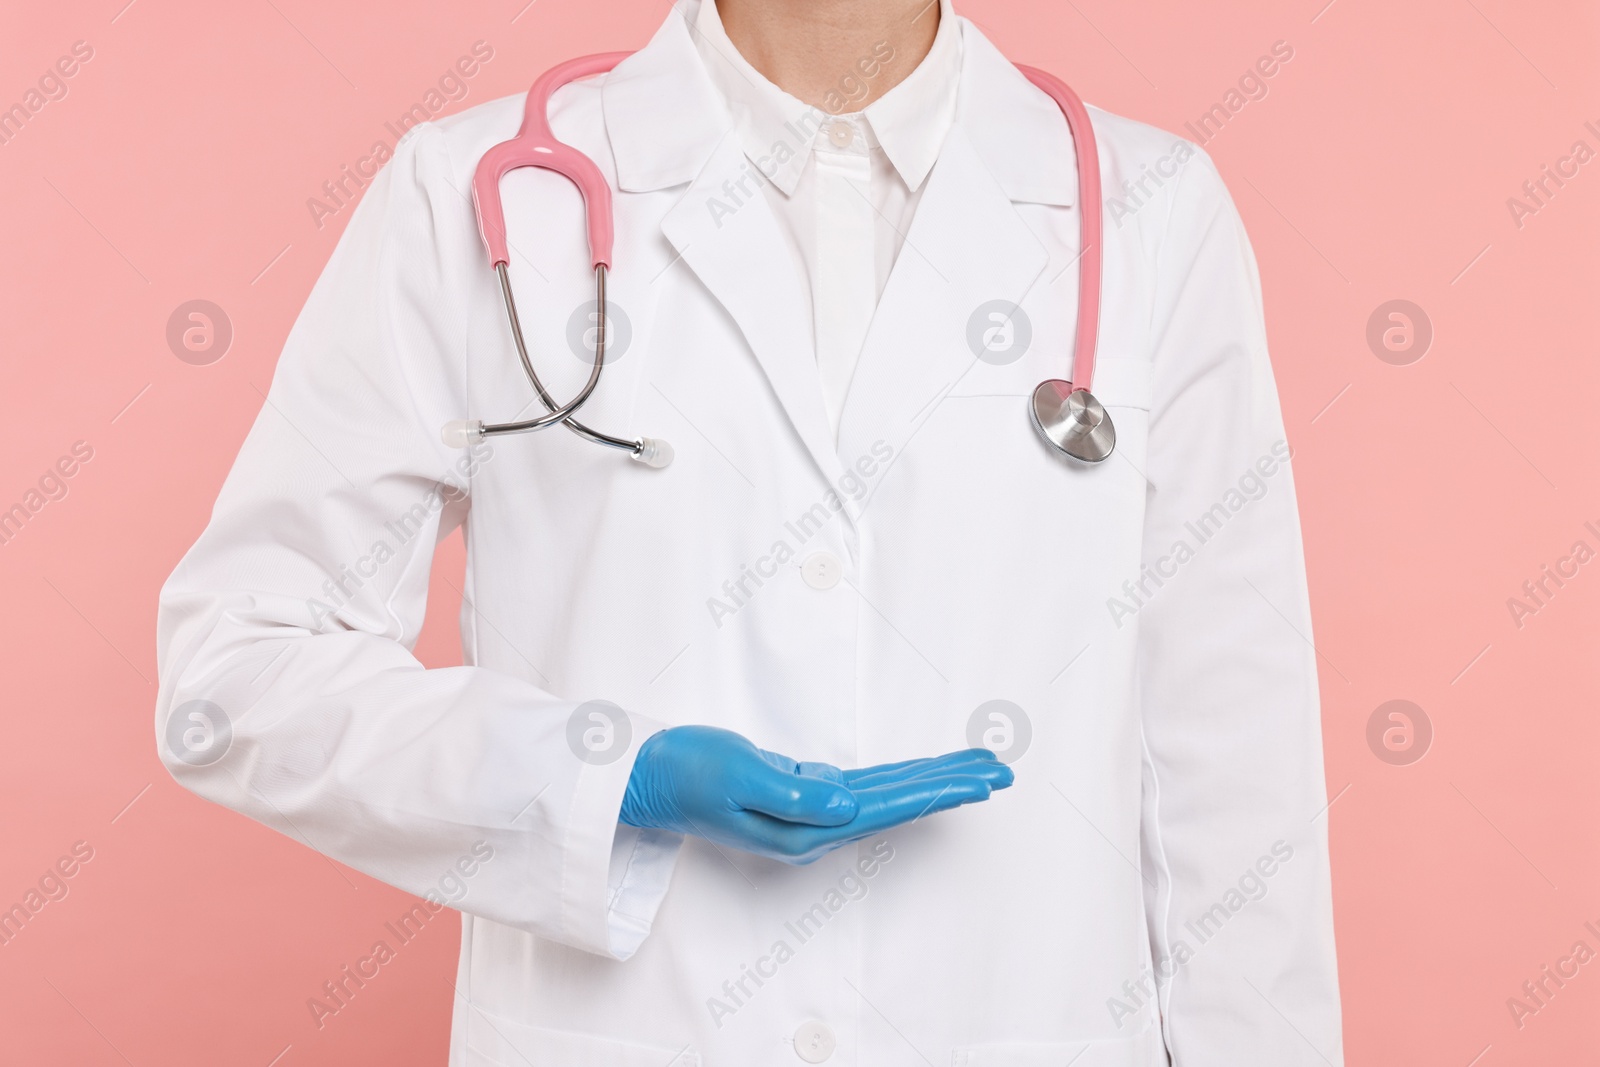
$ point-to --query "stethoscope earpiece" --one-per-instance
(654, 452)
(461, 433)
(1072, 421)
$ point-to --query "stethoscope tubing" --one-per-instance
(561, 413)
(1065, 413)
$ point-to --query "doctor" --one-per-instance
(846, 252)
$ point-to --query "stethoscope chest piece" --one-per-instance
(1072, 421)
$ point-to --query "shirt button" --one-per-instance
(841, 133)
(822, 570)
(814, 1042)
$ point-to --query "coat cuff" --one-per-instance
(614, 877)
(641, 869)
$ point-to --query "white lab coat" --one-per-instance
(1168, 804)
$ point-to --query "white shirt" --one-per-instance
(844, 185)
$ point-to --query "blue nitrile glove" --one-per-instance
(715, 784)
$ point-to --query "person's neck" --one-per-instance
(830, 53)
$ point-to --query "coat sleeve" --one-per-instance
(288, 688)
(1234, 823)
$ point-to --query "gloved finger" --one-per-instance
(968, 761)
(792, 797)
(826, 771)
(885, 806)
(809, 769)
(997, 774)
(881, 809)
(921, 761)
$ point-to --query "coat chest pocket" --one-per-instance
(1001, 396)
(1143, 1050)
(1122, 383)
(1119, 381)
(495, 1041)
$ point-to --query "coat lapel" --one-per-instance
(967, 246)
(742, 257)
(667, 126)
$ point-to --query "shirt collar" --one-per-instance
(777, 131)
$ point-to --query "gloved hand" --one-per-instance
(715, 784)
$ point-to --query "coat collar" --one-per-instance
(665, 118)
(967, 243)
(909, 123)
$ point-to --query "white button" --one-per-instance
(841, 133)
(822, 570)
(814, 1042)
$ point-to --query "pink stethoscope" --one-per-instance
(1066, 415)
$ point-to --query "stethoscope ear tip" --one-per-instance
(654, 452)
(461, 433)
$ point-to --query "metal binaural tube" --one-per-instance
(651, 452)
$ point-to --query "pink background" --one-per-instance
(1377, 167)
